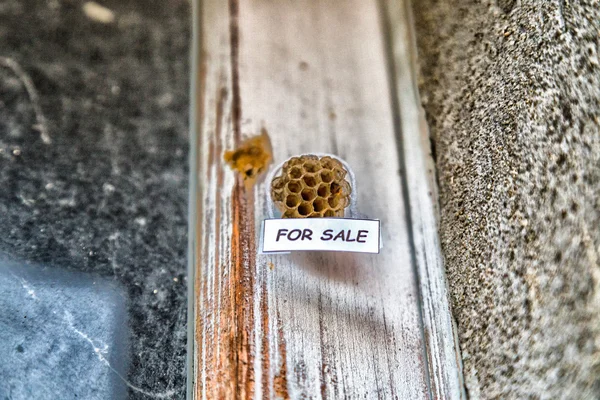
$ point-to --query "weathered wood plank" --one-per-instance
(444, 362)
(314, 75)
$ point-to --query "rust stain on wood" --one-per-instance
(229, 364)
(280, 384)
(212, 221)
(249, 160)
(229, 360)
(266, 360)
(226, 317)
(243, 260)
(219, 267)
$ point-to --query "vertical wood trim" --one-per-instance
(443, 353)
(195, 101)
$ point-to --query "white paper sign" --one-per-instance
(324, 234)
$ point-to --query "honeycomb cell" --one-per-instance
(292, 161)
(329, 163)
(326, 176)
(334, 202)
(329, 213)
(323, 190)
(308, 194)
(311, 187)
(292, 201)
(311, 166)
(296, 173)
(335, 188)
(289, 214)
(320, 205)
(278, 183)
(309, 180)
(305, 209)
(294, 187)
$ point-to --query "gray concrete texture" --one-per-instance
(512, 94)
(96, 188)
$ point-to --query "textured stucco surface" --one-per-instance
(512, 94)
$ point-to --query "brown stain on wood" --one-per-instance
(220, 267)
(212, 221)
(229, 362)
(224, 369)
(280, 384)
(229, 371)
(249, 161)
(243, 261)
(266, 359)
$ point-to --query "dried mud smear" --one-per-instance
(512, 95)
(251, 158)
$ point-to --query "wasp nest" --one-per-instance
(311, 187)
